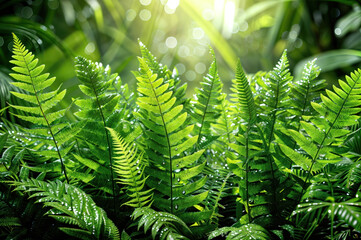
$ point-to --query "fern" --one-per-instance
(166, 225)
(99, 106)
(129, 167)
(167, 141)
(249, 231)
(347, 212)
(30, 80)
(305, 91)
(247, 110)
(321, 138)
(169, 77)
(70, 205)
(206, 106)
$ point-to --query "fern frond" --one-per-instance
(129, 166)
(71, 202)
(206, 105)
(167, 140)
(306, 90)
(217, 185)
(248, 231)
(170, 77)
(244, 96)
(225, 125)
(348, 211)
(11, 161)
(31, 80)
(99, 106)
(321, 138)
(162, 224)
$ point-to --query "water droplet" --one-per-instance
(184, 192)
(176, 207)
(178, 179)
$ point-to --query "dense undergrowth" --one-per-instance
(277, 159)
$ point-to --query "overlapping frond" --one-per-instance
(206, 105)
(162, 224)
(99, 107)
(254, 161)
(248, 231)
(129, 167)
(70, 205)
(306, 90)
(277, 84)
(167, 141)
(321, 137)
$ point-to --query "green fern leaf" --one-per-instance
(69, 201)
(249, 231)
(128, 166)
(167, 140)
(244, 96)
(166, 225)
(170, 77)
(99, 107)
(324, 134)
(206, 106)
(306, 90)
(33, 83)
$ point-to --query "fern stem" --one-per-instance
(47, 122)
(247, 173)
(169, 148)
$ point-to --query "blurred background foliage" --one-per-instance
(180, 33)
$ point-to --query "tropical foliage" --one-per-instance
(277, 159)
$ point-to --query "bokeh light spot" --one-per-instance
(338, 31)
(243, 26)
(198, 33)
(145, 2)
(208, 14)
(184, 51)
(191, 75)
(90, 48)
(1, 41)
(181, 68)
(200, 68)
(53, 4)
(130, 15)
(171, 42)
(145, 15)
(26, 12)
(171, 6)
